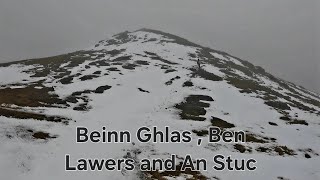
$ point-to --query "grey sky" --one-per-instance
(280, 35)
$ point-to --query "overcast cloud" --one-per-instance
(280, 35)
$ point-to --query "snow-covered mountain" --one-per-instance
(151, 78)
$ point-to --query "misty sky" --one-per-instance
(283, 36)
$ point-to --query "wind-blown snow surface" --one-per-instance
(125, 107)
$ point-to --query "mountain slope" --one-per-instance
(150, 78)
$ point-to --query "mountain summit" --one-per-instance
(153, 79)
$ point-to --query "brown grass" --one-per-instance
(13, 113)
(221, 123)
(29, 96)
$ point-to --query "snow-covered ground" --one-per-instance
(125, 107)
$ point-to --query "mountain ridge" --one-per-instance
(157, 32)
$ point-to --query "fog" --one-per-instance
(283, 36)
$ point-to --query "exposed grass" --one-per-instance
(79, 93)
(42, 135)
(122, 58)
(221, 123)
(306, 155)
(113, 69)
(101, 89)
(252, 138)
(192, 108)
(66, 80)
(12, 113)
(51, 65)
(264, 149)
(278, 105)
(170, 70)
(154, 56)
(29, 96)
(171, 80)
(129, 66)
(115, 52)
(97, 72)
(82, 107)
(284, 150)
(197, 98)
(189, 110)
(294, 121)
(280, 150)
(297, 121)
(187, 84)
(88, 77)
(273, 124)
(140, 62)
(244, 84)
(99, 63)
(285, 118)
(142, 90)
(117, 63)
(241, 148)
(206, 75)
